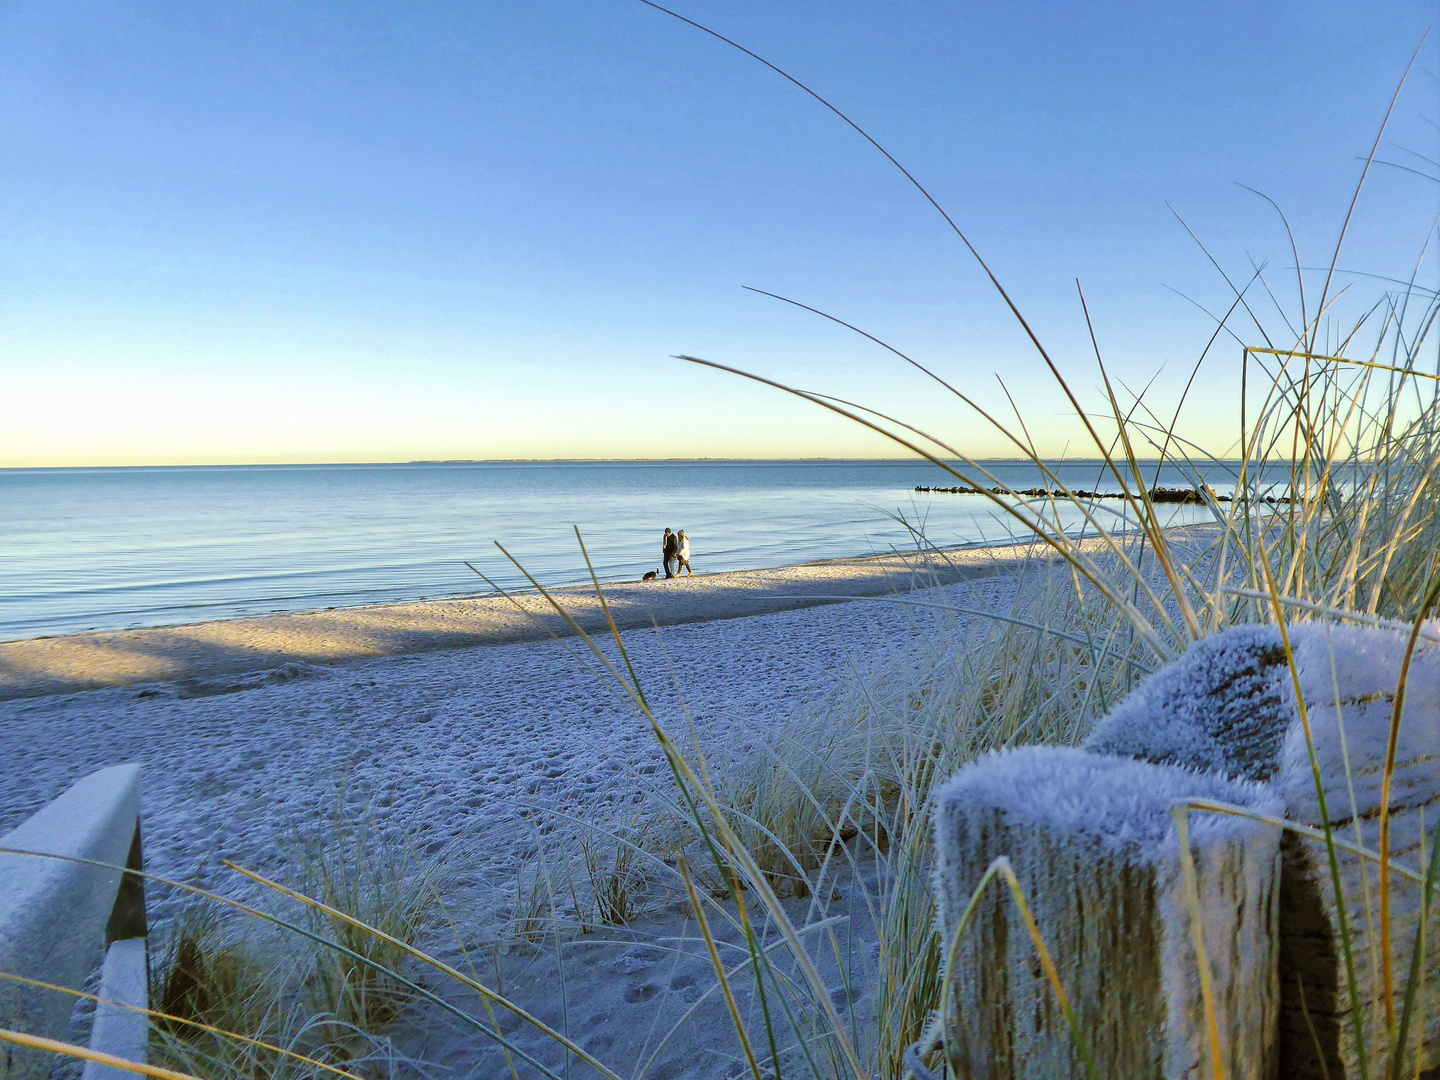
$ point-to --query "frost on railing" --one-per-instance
(60, 917)
(1094, 850)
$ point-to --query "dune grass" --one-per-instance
(1350, 422)
(301, 1005)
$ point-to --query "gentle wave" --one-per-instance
(87, 549)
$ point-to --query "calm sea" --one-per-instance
(92, 549)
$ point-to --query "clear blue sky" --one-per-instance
(387, 231)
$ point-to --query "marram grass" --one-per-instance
(1348, 417)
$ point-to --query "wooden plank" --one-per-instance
(53, 914)
(1349, 678)
(122, 1033)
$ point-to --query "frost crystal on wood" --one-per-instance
(1224, 705)
(1229, 705)
(1349, 677)
(1096, 852)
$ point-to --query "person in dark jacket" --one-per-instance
(669, 547)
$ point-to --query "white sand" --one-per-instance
(454, 743)
(205, 651)
(473, 747)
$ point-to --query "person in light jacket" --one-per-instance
(682, 555)
(669, 546)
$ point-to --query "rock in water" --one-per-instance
(1096, 852)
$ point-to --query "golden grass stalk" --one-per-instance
(156, 1014)
(1197, 933)
(1001, 869)
(84, 1053)
(719, 965)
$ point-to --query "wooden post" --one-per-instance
(1097, 855)
(1349, 678)
(1224, 705)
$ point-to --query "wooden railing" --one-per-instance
(65, 905)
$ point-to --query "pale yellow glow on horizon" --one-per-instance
(294, 406)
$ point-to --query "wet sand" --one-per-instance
(62, 665)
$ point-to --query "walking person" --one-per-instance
(682, 554)
(669, 547)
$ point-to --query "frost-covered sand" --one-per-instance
(478, 750)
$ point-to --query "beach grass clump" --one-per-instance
(209, 981)
(237, 996)
(386, 886)
(231, 1002)
(616, 871)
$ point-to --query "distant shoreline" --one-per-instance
(918, 462)
(231, 647)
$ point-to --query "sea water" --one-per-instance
(92, 549)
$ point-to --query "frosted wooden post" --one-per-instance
(1095, 849)
(1229, 704)
(1225, 705)
(57, 918)
(1351, 730)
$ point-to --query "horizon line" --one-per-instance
(542, 461)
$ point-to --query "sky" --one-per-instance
(310, 232)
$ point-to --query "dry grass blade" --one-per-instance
(1391, 748)
(1298, 354)
(1180, 813)
(1323, 804)
(84, 1053)
(438, 965)
(156, 1014)
(1307, 831)
(1417, 960)
(1000, 868)
(719, 965)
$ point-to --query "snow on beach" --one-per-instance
(456, 745)
(474, 753)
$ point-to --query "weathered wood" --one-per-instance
(121, 1032)
(1349, 678)
(53, 914)
(1229, 704)
(1224, 705)
(1096, 852)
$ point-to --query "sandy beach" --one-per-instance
(443, 712)
(206, 654)
(483, 751)
(462, 727)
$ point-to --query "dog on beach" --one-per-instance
(651, 576)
